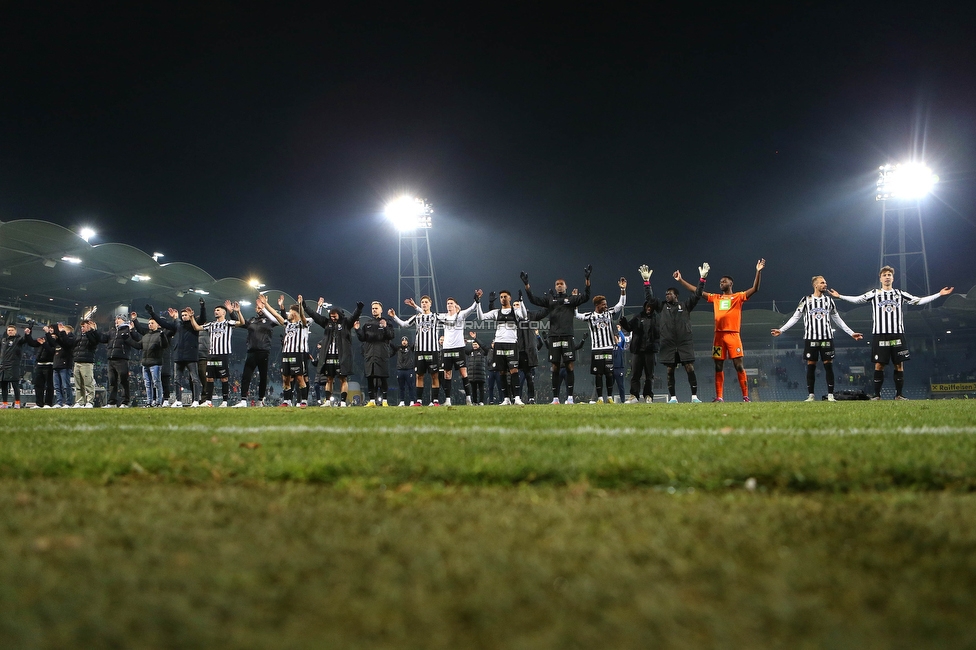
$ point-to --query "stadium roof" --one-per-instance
(46, 267)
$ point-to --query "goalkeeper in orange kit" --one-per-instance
(728, 319)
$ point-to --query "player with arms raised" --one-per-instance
(888, 327)
(727, 343)
(817, 310)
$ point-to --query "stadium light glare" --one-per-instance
(138, 277)
(156, 256)
(409, 213)
(244, 303)
(87, 233)
(255, 283)
(71, 259)
(905, 181)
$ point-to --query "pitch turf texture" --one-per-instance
(623, 526)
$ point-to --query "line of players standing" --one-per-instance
(200, 350)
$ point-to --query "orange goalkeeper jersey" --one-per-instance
(728, 310)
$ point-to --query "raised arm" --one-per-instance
(622, 283)
(541, 302)
(858, 300)
(702, 274)
(316, 314)
(136, 325)
(945, 291)
(402, 323)
(274, 313)
(349, 320)
(760, 265)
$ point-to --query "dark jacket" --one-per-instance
(476, 362)
(85, 344)
(185, 342)
(45, 350)
(528, 341)
(675, 322)
(406, 359)
(203, 336)
(64, 348)
(643, 327)
(376, 346)
(260, 329)
(562, 309)
(152, 345)
(169, 326)
(11, 353)
(339, 331)
(114, 341)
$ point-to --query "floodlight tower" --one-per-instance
(415, 267)
(901, 189)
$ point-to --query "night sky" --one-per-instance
(265, 138)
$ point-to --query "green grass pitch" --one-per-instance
(732, 525)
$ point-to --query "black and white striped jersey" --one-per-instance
(603, 328)
(296, 338)
(454, 327)
(817, 312)
(886, 308)
(221, 332)
(427, 337)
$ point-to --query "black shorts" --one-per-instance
(218, 366)
(452, 358)
(427, 362)
(890, 348)
(331, 367)
(562, 348)
(601, 362)
(293, 364)
(813, 350)
(506, 357)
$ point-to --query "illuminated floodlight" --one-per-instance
(138, 277)
(71, 259)
(156, 256)
(907, 181)
(201, 292)
(244, 303)
(254, 283)
(87, 233)
(409, 213)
